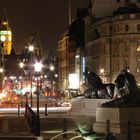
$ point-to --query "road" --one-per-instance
(41, 110)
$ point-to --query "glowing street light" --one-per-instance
(31, 48)
(21, 64)
(1, 70)
(56, 75)
(38, 67)
(101, 71)
(102, 74)
(51, 67)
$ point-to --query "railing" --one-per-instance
(33, 120)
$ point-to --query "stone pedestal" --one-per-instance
(83, 111)
(123, 122)
(85, 107)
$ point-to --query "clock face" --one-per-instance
(9, 38)
(3, 38)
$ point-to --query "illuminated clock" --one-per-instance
(3, 38)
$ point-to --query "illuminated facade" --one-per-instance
(70, 53)
(113, 43)
(6, 36)
(103, 8)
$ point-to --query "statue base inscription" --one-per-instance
(123, 122)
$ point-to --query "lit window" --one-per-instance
(132, 16)
(77, 56)
(138, 48)
(138, 69)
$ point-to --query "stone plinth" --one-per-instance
(85, 107)
(122, 122)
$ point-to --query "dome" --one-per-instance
(126, 10)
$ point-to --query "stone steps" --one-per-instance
(18, 138)
(14, 126)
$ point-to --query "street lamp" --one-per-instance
(21, 65)
(51, 67)
(26, 72)
(38, 68)
(52, 85)
(31, 48)
(1, 70)
(102, 73)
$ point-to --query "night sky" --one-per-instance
(47, 17)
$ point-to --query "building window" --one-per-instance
(126, 65)
(138, 65)
(132, 16)
(126, 27)
(138, 27)
(121, 17)
(138, 69)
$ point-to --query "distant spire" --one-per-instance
(51, 56)
(38, 41)
(4, 18)
(69, 12)
(90, 6)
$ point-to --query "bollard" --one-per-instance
(129, 135)
(107, 126)
(65, 128)
(19, 110)
(46, 110)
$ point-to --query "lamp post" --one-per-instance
(26, 72)
(52, 69)
(21, 65)
(31, 50)
(38, 67)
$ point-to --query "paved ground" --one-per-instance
(56, 124)
(14, 126)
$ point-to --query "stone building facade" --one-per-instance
(70, 54)
(113, 43)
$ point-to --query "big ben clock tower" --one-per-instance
(6, 36)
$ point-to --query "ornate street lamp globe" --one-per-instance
(38, 66)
